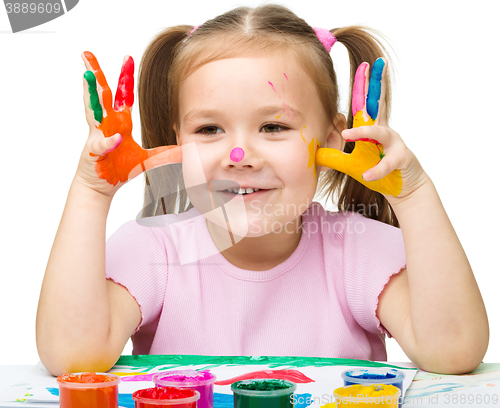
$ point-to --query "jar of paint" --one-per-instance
(369, 376)
(88, 390)
(201, 381)
(165, 397)
(367, 396)
(263, 393)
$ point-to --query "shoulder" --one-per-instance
(157, 228)
(349, 226)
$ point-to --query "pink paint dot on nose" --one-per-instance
(237, 154)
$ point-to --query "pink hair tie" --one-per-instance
(326, 37)
(193, 30)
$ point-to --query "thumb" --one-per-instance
(104, 145)
(332, 158)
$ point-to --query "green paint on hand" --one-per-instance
(95, 105)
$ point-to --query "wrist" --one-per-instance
(424, 189)
(88, 195)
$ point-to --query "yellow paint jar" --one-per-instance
(375, 395)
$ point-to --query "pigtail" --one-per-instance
(362, 46)
(164, 190)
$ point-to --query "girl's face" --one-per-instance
(269, 108)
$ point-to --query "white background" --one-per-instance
(446, 108)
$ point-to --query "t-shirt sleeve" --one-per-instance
(373, 253)
(136, 259)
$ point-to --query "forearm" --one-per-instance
(73, 317)
(447, 312)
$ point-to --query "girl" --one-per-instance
(247, 103)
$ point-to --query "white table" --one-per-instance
(11, 375)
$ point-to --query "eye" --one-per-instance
(209, 130)
(274, 128)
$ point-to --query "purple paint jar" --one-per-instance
(201, 381)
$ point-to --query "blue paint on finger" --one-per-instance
(374, 88)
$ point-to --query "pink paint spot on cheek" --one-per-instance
(237, 154)
(285, 76)
(269, 82)
(283, 88)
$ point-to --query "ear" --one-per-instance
(334, 139)
(176, 134)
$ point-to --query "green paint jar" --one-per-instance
(263, 393)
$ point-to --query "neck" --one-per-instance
(257, 253)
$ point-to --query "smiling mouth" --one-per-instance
(243, 191)
(233, 187)
(246, 193)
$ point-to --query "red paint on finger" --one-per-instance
(125, 91)
(363, 140)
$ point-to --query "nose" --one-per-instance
(240, 158)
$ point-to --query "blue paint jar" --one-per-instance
(369, 376)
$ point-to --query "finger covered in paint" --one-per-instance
(375, 88)
(124, 96)
(106, 97)
(94, 103)
(360, 88)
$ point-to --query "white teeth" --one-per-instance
(242, 190)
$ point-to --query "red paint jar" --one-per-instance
(166, 397)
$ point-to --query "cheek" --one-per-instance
(298, 176)
(198, 164)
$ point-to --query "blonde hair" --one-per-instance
(175, 53)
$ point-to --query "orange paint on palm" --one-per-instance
(117, 165)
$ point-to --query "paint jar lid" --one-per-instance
(374, 376)
(184, 378)
(263, 387)
(377, 394)
(191, 396)
(88, 380)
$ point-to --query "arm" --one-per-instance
(83, 321)
(434, 309)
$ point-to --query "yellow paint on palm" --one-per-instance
(364, 156)
(359, 120)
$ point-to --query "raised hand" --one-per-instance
(369, 128)
(115, 157)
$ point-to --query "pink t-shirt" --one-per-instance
(320, 302)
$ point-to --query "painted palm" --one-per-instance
(368, 108)
(127, 159)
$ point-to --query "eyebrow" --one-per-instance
(263, 111)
